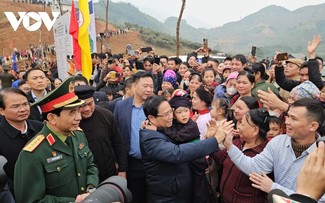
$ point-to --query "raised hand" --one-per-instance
(312, 46)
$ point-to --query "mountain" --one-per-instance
(271, 29)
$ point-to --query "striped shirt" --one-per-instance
(278, 157)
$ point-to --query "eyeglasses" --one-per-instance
(166, 114)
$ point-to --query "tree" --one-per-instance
(178, 26)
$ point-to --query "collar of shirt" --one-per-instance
(35, 97)
(312, 147)
(60, 136)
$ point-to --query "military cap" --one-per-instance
(84, 91)
(63, 97)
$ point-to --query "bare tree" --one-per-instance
(178, 26)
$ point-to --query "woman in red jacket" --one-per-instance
(235, 186)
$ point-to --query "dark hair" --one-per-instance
(81, 78)
(260, 118)
(251, 102)
(228, 58)
(9, 90)
(259, 67)
(214, 60)
(274, 119)
(30, 70)
(172, 59)
(315, 109)
(21, 82)
(319, 58)
(223, 104)
(140, 74)
(150, 59)
(163, 57)
(127, 83)
(241, 58)
(209, 69)
(195, 75)
(151, 105)
(107, 90)
(249, 75)
(205, 95)
(303, 65)
(186, 64)
(55, 111)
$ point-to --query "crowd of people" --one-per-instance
(178, 131)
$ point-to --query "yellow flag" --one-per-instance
(83, 39)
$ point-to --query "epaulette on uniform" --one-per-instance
(33, 144)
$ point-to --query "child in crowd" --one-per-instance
(186, 130)
(220, 111)
(209, 77)
(275, 127)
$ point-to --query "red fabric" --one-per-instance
(49, 106)
(73, 31)
(235, 186)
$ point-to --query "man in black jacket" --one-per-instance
(15, 130)
(102, 133)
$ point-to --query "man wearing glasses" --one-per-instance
(15, 131)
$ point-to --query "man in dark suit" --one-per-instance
(36, 79)
(129, 115)
(15, 131)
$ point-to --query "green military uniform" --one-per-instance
(53, 167)
(54, 171)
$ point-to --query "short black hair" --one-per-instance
(55, 111)
(241, 58)
(150, 59)
(140, 74)
(30, 70)
(276, 120)
(248, 74)
(21, 82)
(251, 102)
(128, 83)
(9, 90)
(151, 105)
(79, 77)
(315, 109)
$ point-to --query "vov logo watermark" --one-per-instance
(38, 17)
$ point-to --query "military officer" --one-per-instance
(57, 164)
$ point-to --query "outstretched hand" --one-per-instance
(225, 128)
(312, 46)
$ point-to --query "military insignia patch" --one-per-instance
(50, 139)
(81, 145)
(32, 145)
(54, 153)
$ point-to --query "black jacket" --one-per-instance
(288, 84)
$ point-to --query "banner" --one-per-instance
(83, 39)
(92, 28)
(74, 29)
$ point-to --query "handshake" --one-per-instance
(222, 131)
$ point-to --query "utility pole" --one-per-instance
(106, 25)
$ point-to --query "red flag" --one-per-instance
(74, 30)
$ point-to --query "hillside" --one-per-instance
(22, 39)
(271, 29)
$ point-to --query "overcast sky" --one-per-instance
(211, 13)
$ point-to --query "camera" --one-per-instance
(253, 51)
(282, 56)
(146, 49)
(113, 189)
